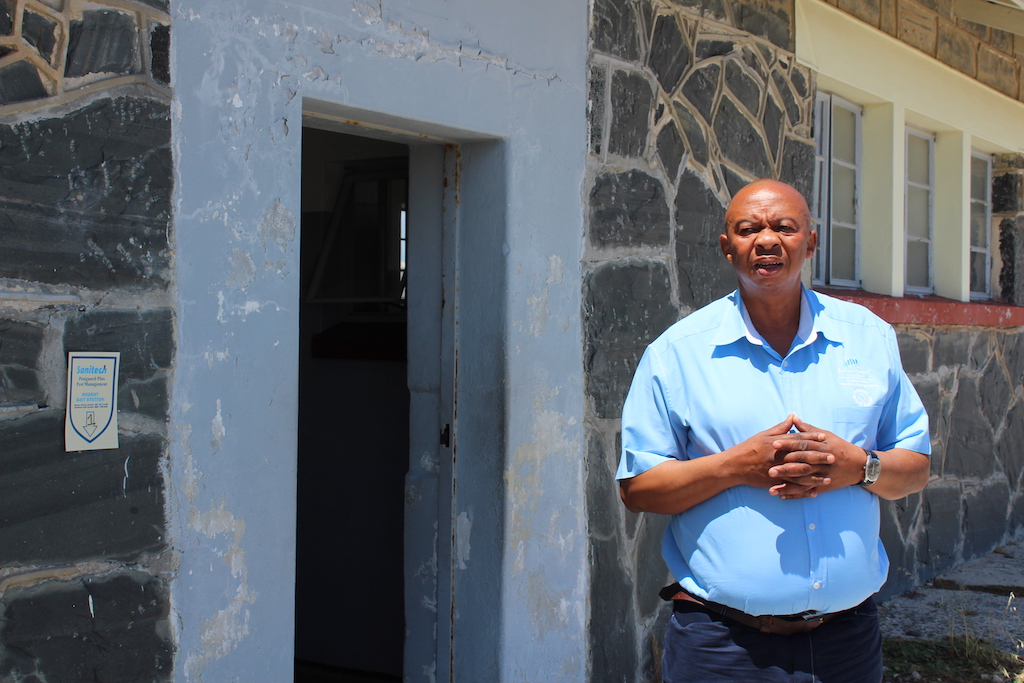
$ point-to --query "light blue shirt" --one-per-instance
(710, 382)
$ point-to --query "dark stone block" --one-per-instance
(629, 303)
(58, 507)
(5, 50)
(741, 141)
(6, 18)
(693, 131)
(800, 82)
(931, 397)
(670, 149)
(146, 342)
(982, 350)
(797, 167)
(20, 82)
(20, 346)
(914, 353)
(1010, 445)
(1011, 250)
(610, 367)
(1006, 193)
(596, 108)
(162, 5)
(744, 87)
(160, 53)
(106, 628)
(704, 274)
(628, 210)
(1012, 344)
(763, 22)
(647, 14)
(614, 29)
(970, 448)
(943, 509)
(40, 32)
(996, 394)
(604, 507)
(788, 98)
(733, 181)
(751, 59)
(612, 615)
(701, 88)
(85, 199)
(651, 572)
(985, 518)
(632, 101)
(670, 55)
(103, 41)
(773, 125)
(713, 48)
(951, 348)
(901, 558)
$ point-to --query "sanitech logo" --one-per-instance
(851, 361)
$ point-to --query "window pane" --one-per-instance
(843, 189)
(979, 229)
(917, 160)
(844, 135)
(979, 273)
(844, 245)
(979, 179)
(917, 212)
(917, 264)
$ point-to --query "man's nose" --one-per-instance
(767, 239)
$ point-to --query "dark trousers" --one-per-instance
(703, 649)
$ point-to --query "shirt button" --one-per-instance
(785, 363)
(811, 527)
(817, 585)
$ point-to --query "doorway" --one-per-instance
(353, 431)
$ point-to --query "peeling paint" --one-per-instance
(463, 529)
(539, 322)
(277, 225)
(217, 427)
(243, 270)
(556, 270)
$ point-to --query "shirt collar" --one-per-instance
(736, 323)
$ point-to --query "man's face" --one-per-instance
(767, 237)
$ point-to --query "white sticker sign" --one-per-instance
(90, 422)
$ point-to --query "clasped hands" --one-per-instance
(802, 463)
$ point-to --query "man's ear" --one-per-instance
(812, 243)
(723, 242)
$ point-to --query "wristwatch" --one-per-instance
(872, 468)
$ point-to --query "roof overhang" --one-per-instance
(1006, 15)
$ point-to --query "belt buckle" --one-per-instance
(812, 615)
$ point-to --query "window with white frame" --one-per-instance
(981, 226)
(836, 211)
(919, 211)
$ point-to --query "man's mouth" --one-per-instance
(768, 267)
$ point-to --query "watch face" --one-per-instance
(872, 468)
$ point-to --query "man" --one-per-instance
(768, 424)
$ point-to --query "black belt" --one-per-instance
(784, 625)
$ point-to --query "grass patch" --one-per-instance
(960, 659)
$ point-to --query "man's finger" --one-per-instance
(811, 457)
(782, 427)
(805, 427)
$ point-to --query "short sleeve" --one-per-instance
(904, 420)
(650, 427)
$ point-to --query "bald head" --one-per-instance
(763, 189)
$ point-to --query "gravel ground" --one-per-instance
(984, 597)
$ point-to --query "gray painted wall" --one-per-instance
(463, 71)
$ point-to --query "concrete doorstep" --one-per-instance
(984, 599)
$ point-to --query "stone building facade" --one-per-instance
(569, 168)
(85, 265)
(688, 102)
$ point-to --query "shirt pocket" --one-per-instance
(857, 424)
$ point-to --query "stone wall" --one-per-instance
(688, 102)
(987, 54)
(85, 212)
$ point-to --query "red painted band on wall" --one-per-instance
(933, 310)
